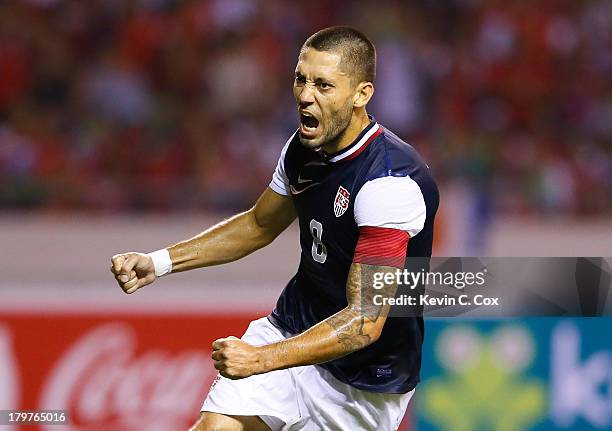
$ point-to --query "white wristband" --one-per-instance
(161, 262)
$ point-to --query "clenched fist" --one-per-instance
(133, 270)
(236, 359)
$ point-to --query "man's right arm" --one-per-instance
(237, 236)
(225, 242)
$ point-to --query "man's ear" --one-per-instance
(363, 94)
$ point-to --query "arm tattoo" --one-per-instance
(349, 324)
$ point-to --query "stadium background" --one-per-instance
(127, 125)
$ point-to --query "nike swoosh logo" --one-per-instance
(315, 163)
(295, 191)
(302, 181)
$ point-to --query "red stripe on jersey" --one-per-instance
(381, 246)
(363, 147)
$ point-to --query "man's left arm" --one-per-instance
(354, 327)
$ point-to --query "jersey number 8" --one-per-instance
(319, 251)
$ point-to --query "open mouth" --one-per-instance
(308, 124)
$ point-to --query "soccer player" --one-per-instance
(327, 357)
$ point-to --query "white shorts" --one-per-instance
(305, 398)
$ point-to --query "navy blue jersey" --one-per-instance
(378, 180)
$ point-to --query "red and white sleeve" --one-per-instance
(389, 211)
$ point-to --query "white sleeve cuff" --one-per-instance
(161, 262)
(281, 190)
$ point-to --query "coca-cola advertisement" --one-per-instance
(111, 372)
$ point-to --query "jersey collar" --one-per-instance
(360, 143)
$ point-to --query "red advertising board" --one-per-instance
(111, 371)
(116, 372)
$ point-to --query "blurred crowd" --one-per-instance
(113, 105)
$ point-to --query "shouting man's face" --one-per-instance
(325, 95)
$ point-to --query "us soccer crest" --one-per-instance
(341, 202)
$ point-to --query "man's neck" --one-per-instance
(359, 121)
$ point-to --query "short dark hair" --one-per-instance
(353, 46)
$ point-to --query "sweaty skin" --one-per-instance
(323, 89)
